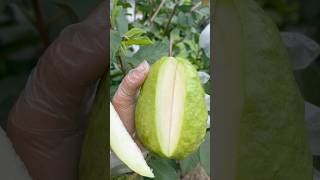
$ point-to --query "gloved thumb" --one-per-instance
(125, 97)
(128, 89)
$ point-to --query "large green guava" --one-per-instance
(259, 129)
(171, 114)
(94, 161)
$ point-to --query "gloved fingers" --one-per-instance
(44, 123)
(48, 155)
(126, 94)
(52, 96)
(124, 99)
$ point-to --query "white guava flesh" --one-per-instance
(125, 148)
(170, 106)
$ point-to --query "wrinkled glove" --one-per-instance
(124, 102)
(44, 123)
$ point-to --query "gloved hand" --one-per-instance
(124, 100)
(44, 123)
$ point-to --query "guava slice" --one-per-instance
(125, 148)
(171, 113)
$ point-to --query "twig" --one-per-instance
(135, 12)
(115, 73)
(170, 45)
(179, 41)
(122, 68)
(157, 11)
(195, 6)
(170, 18)
(148, 158)
(41, 26)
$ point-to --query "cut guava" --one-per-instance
(171, 113)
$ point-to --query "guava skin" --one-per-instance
(145, 111)
(268, 131)
(195, 112)
(94, 162)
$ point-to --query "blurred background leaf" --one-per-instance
(163, 169)
(189, 163)
(150, 53)
(204, 153)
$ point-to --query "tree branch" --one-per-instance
(170, 18)
(122, 68)
(157, 11)
(195, 6)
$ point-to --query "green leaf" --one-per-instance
(122, 23)
(139, 41)
(204, 153)
(163, 169)
(124, 4)
(189, 163)
(115, 41)
(150, 53)
(115, 13)
(123, 177)
(185, 8)
(134, 32)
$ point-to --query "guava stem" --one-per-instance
(170, 45)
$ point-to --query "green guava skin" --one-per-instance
(94, 161)
(267, 133)
(195, 112)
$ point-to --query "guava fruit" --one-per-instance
(171, 114)
(94, 161)
(125, 148)
(259, 129)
